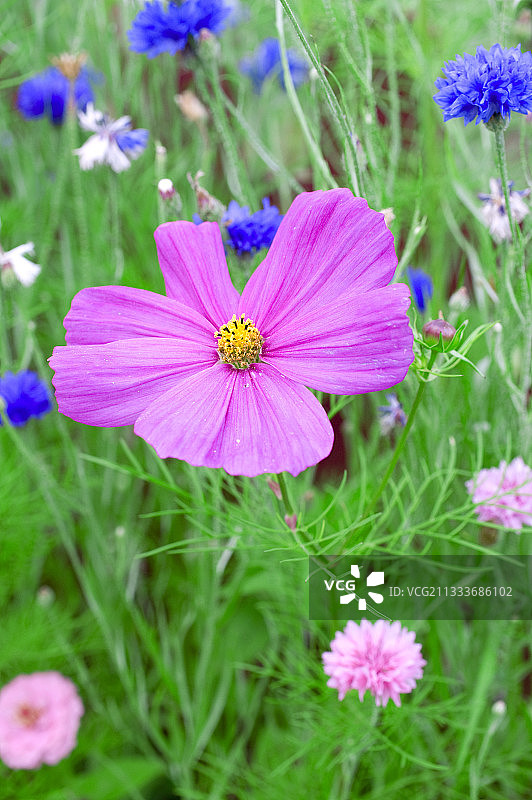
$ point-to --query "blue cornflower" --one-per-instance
(24, 396)
(421, 284)
(157, 29)
(265, 61)
(248, 232)
(494, 81)
(46, 94)
(392, 415)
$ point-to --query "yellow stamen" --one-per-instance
(240, 343)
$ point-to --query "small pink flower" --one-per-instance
(504, 494)
(39, 719)
(379, 656)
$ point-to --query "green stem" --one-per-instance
(237, 179)
(319, 162)
(284, 494)
(77, 191)
(5, 358)
(500, 151)
(401, 443)
(116, 232)
(339, 114)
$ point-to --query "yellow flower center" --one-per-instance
(239, 342)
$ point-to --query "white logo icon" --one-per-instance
(373, 579)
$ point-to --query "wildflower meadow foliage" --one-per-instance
(278, 457)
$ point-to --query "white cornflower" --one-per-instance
(14, 264)
(114, 142)
(494, 209)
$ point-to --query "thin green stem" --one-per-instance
(500, 151)
(319, 162)
(339, 114)
(237, 179)
(284, 494)
(116, 231)
(77, 191)
(5, 358)
(401, 443)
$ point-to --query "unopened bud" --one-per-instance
(45, 596)
(191, 106)
(209, 207)
(166, 188)
(276, 489)
(291, 521)
(499, 708)
(438, 327)
(7, 275)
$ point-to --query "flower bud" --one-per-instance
(438, 327)
(209, 207)
(7, 275)
(166, 188)
(291, 521)
(499, 708)
(276, 489)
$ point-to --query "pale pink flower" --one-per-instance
(39, 719)
(380, 656)
(504, 494)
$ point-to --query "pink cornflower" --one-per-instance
(39, 719)
(379, 656)
(218, 379)
(504, 494)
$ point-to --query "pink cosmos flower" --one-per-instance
(379, 656)
(218, 379)
(39, 720)
(504, 494)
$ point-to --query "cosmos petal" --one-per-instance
(111, 384)
(328, 242)
(246, 421)
(360, 343)
(195, 271)
(107, 313)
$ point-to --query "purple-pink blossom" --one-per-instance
(219, 379)
(380, 656)
(503, 494)
(39, 719)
